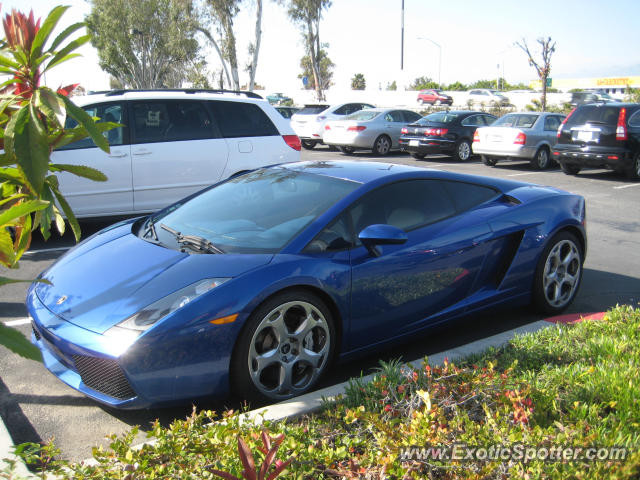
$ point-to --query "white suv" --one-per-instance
(172, 144)
(309, 121)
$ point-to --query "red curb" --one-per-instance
(576, 317)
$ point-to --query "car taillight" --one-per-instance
(521, 139)
(356, 128)
(404, 130)
(621, 129)
(435, 132)
(327, 127)
(476, 137)
(563, 122)
(293, 141)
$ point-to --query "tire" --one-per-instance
(558, 274)
(382, 145)
(462, 152)
(634, 172)
(542, 159)
(489, 161)
(570, 168)
(272, 362)
(308, 144)
(346, 150)
(418, 156)
(438, 102)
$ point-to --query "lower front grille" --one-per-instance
(35, 332)
(104, 376)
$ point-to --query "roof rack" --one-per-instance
(121, 91)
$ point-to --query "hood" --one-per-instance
(114, 274)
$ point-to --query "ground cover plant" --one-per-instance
(567, 385)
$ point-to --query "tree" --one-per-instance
(423, 83)
(307, 14)
(457, 87)
(325, 72)
(392, 86)
(543, 68)
(358, 82)
(483, 84)
(146, 43)
(32, 124)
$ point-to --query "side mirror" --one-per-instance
(379, 234)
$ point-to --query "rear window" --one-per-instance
(312, 109)
(440, 117)
(599, 114)
(512, 120)
(363, 115)
(238, 119)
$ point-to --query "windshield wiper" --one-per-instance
(151, 229)
(194, 242)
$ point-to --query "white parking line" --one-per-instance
(17, 323)
(627, 186)
(521, 174)
(58, 249)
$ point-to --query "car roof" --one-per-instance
(116, 95)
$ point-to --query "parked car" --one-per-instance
(309, 121)
(487, 97)
(376, 129)
(604, 135)
(519, 136)
(582, 98)
(434, 97)
(257, 284)
(171, 144)
(287, 112)
(277, 98)
(443, 132)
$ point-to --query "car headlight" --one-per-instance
(144, 319)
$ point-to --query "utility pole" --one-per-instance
(402, 38)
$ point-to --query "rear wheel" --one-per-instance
(462, 151)
(438, 102)
(308, 144)
(418, 156)
(346, 150)
(489, 161)
(558, 274)
(382, 145)
(570, 168)
(541, 161)
(634, 172)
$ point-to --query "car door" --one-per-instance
(176, 150)
(393, 123)
(410, 285)
(89, 198)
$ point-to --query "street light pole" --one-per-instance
(135, 31)
(439, 57)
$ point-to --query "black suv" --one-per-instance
(603, 135)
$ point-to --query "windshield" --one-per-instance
(515, 120)
(259, 212)
(363, 115)
(440, 117)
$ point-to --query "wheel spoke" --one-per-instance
(285, 384)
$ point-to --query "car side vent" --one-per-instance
(509, 200)
(510, 250)
(104, 375)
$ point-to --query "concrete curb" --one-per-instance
(313, 401)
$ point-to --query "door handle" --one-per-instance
(117, 155)
(142, 152)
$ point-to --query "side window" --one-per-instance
(634, 121)
(170, 121)
(473, 120)
(106, 112)
(337, 236)
(396, 116)
(239, 119)
(407, 205)
(551, 123)
(342, 110)
(411, 116)
(465, 196)
(489, 119)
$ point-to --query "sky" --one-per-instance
(476, 38)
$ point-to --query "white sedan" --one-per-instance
(376, 129)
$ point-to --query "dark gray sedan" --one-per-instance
(525, 136)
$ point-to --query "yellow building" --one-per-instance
(611, 85)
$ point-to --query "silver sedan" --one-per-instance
(376, 129)
(519, 136)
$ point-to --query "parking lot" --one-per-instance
(36, 406)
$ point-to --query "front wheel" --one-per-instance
(541, 161)
(382, 145)
(346, 150)
(462, 152)
(489, 161)
(570, 168)
(308, 144)
(284, 348)
(558, 274)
